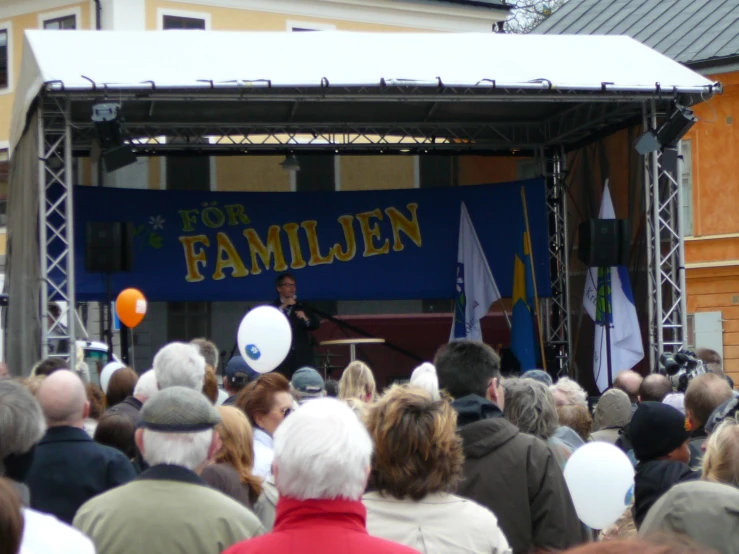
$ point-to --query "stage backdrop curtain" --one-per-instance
(22, 283)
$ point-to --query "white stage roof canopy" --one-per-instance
(76, 61)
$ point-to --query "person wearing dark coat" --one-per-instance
(513, 474)
(302, 321)
(660, 437)
(68, 468)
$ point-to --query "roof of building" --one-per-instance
(493, 4)
(703, 34)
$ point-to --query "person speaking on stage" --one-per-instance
(302, 321)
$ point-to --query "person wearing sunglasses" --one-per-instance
(266, 402)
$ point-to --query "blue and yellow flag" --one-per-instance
(523, 334)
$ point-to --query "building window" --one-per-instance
(301, 26)
(188, 320)
(437, 171)
(61, 23)
(528, 169)
(686, 185)
(179, 22)
(4, 59)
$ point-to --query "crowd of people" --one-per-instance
(460, 459)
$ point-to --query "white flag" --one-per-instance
(476, 289)
(627, 349)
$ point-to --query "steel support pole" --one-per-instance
(43, 290)
(648, 192)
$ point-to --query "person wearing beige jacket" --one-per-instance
(416, 469)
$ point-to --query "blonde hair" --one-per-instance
(721, 462)
(357, 381)
(237, 451)
(359, 407)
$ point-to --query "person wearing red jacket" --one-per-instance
(322, 461)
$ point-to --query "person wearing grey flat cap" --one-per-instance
(168, 508)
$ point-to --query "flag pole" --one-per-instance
(533, 278)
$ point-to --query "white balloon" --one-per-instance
(107, 373)
(600, 478)
(264, 338)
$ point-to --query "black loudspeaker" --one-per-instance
(604, 242)
(109, 247)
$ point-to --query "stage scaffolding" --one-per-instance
(575, 120)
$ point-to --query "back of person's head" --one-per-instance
(96, 398)
(567, 392)
(22, 422)
(417, 449)
(259, 396)
(117, 430)
(33, 383)
(357, 381)
(703, 511)
(121, 385)
(146, 386)
(529, 405)
(49, 366)
(704, 394)
(176, 428)
(539, 375)
(424, 377)
(721, 460)
(711, 359)
(210, 387)
(209, 351)
(63, 399)
(237, 450)
(238, 374)
(576, 418)
(657, 430)
(654, 388)
(179, 365)
(307, 384)
(613, 410)
(11, 518)
(332, 388)
(322, 451)
(466, 367)
(628, 381)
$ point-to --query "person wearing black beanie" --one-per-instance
(659, 436)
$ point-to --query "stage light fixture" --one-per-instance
(678, 122)
(113, 151)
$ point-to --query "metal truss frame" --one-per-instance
(667, 302)
(557, 322)
(56, 229)
(66, 130)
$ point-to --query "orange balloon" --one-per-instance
(130, 307)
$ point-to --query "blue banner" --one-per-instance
(374, 245)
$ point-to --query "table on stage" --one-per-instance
(352, 344)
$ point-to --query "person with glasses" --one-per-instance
(266, 402)
(302, 321)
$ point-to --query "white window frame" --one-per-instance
(686, 145)
(43, 17)
(524, 167)
(161, 12)
(292, 24)
(7, 26)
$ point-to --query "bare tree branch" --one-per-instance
(527, 14)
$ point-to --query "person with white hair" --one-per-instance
(424, 377)
(68, 467)
(131, 406)
(321, 465)
(178, 364)
(168, 508)
(567, 392)
(21, 427)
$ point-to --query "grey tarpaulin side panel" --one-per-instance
(23, 323)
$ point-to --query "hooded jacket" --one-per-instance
(706, 512)
(517, 478)
(612, 413)
(655, 478)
